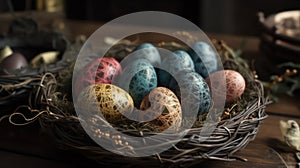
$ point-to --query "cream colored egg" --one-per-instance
(45, 58)
(164, 101)
(5, 52)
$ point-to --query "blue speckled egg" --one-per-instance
(204, 58)
(174, 63)
(149, 52)
(141, 77)
(193, 92)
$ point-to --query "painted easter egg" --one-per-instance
(204, 58)
(235, 83)
(193, 92)
(101, 70)
(12, 62)
(107, 99)
(173, 64)
(149, 52)
(138, 78)
(163, 101)
(144, 51)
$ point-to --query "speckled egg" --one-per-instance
(235, 83)
(193, 92)
(101, 70)
(12, 62)
(149, 52)
(109, 99)
(173, 64)
(204, 58)
(140, 76)
(164, 101)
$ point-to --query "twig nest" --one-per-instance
(163, 103)
(107, 99)
(160, 111)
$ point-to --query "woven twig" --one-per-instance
(25, 37)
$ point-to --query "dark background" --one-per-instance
(220, 16)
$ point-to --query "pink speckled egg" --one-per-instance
(235, 83)
(104, 68)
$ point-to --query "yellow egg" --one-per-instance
(109, 99)
(163, 103)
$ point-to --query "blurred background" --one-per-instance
(231, 16)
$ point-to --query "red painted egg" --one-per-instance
(101, 70)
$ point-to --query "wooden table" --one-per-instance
(27, 147)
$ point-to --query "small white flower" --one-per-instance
(291, 133)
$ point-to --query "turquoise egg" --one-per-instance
(204, 58)
(193, 92)
(178, 61)
(140, 78)
(149, 52)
